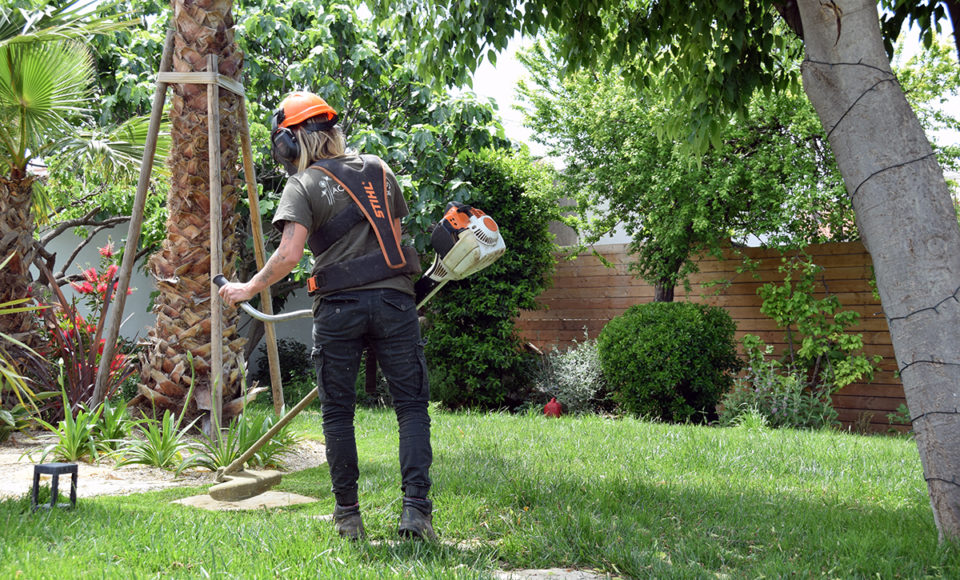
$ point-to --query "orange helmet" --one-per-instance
(300, 106)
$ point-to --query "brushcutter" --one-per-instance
(466, 241)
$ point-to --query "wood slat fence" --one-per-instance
(586, 294)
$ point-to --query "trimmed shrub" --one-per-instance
(669, 360)
(474, 353)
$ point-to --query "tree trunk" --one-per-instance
(663, 291)
(182, 266)
(907, 222)
(16, 243)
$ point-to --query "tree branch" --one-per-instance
(791, 15)
(85, 221)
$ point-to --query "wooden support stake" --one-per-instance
(112, 329)
(266, 302)
(216, 247)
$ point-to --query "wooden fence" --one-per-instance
(586, 294)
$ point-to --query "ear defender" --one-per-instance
(284, 145)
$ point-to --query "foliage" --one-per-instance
(771, 175)
(45, 77)
(669, 360)
(221, 449)
(113, 426)
(827, 354)
(75, 433)
(750, 419)
(13, 355)
(709, 60)
(296, 370)
(162, 443)
(76, 346)
(574, 376)
(931, 82)
(659, 44)
(776, 392)
(901, 416)
(473, 351)
(17, 418)
(923, 17)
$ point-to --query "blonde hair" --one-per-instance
(315, 145)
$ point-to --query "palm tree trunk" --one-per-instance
(16, 240)
(182, 266)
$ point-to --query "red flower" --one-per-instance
(118, 362)
(111, 271)
(107, 251)
(90, 274)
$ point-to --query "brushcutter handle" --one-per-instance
(221, 281)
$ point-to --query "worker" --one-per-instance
(347, 208)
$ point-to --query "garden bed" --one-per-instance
(19, 453)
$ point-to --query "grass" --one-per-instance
(626, 497)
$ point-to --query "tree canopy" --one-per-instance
(708, 61)
(773, 175)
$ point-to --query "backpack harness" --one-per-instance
(373, 206)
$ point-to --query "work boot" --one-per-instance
(416, 519)
(348, 522)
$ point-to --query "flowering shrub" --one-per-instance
(75, 342)
(93, 287)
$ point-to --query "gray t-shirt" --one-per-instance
(310, 198)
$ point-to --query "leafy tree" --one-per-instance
(772, 175)
(710, 59)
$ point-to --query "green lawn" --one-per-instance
(626, 497)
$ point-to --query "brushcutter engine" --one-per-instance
(466, 241)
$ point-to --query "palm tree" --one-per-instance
(45, 77)
(181, 267)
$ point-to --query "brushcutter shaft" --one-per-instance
(237, 464)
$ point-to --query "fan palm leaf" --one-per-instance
(69, 21)
(44, 89)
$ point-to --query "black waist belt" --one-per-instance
(361, 271)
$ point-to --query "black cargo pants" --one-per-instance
(386, 319)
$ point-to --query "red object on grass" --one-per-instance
(553, 408)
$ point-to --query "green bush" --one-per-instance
(474, 354)
(669, 360)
